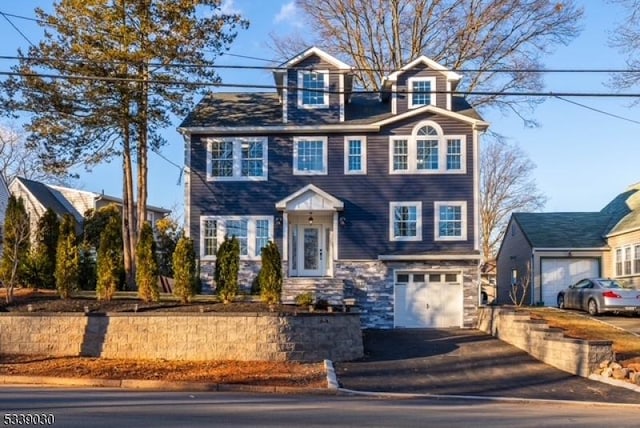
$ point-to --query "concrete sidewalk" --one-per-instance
(464, 362)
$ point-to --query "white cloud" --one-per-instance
(228, 8)
(288, 13)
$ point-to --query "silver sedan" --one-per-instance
(597, 295)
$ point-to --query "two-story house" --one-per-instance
(370, 196)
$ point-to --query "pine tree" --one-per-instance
(227, 268)
(110, 265)
(185, 272)
(15, 248)
(67, 258)
(87, 273)
(128, 54)
(270, 276)
(147, 266)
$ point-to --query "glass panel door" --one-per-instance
(311, 248)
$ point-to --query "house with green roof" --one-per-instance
(546, 252)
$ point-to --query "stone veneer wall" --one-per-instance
(242, 336)
(247, 274)
(371, 284)
(576, 356)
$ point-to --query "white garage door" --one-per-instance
(560, 273)
(428, 300)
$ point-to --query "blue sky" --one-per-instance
(583, 158)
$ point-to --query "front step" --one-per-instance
(329, 289)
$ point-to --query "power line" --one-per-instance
(277, 68)
(178, 83)
(6, 17)
(598, 110)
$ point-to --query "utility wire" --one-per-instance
(179, 83)
(6, 17)
(278, 68)
(598, 110)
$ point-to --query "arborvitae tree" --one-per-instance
(270, 276)
(67, 258)
(15, 248)
(110, 264)
(167, 236)
(87, 274)
(185, 272)
(227, 268)
(42, 259)
(147, 266)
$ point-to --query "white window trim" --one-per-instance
(296, 140)
(363, 155)
(432, 95)
(418, 206)
(237, 159)
(252, 253)
(436, 214)
(325, 94)
(442, 151)
(620, 256)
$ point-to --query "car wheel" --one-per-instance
(592, 307)
(561, 302)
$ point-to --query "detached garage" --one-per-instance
(558, 273)
(549, 251)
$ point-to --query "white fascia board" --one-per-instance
(543, 249)
(279, 128)
(451, 75)
(435, 110)
(319, 52)
(418, 257)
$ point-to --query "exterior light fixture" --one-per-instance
(310, 218)
(342, 221)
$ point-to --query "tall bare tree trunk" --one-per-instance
(128, 215)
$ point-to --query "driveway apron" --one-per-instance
(464, 362)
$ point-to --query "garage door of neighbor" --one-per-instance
(557, 274)
(428, 300)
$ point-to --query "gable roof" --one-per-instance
(46, 197)
(564, 230)
(625, 211)
(315, 51)
(451, 75)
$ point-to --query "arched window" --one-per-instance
(428, 130)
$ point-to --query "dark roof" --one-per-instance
(564, 230)
(43, 194)
(227, 109)
(624, 210)
(224, 109)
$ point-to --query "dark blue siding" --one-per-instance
(310, 116)
(420, 70)
(366, 197)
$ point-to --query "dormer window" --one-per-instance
(421, 91)
(313, 89)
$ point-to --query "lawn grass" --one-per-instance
(577, 325)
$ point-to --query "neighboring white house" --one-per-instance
(4, 201)
(40, 196)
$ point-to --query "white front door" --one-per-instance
(310, 250)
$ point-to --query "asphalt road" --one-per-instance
(110, 408)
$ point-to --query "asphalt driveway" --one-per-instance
(464, 362)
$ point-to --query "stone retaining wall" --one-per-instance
(576, 356)
(208, 336)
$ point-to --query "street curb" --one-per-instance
(159, 385)
(332, 379)
(401, 395)
(614, 382)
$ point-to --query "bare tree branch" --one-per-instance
(506, 185)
